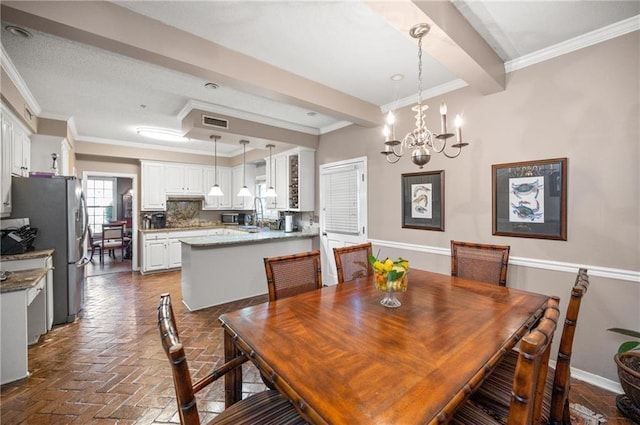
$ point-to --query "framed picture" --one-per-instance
(530, 199)
(423, 200)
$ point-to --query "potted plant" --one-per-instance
(628, 362)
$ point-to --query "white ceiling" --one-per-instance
(348, 46)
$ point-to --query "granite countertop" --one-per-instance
(28, 255)
(21, 280)
(180, 229)
(221, 240)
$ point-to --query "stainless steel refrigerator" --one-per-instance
(57, 208)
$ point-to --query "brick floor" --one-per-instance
(109, 366)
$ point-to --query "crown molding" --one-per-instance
(594, 37)
(17, 80)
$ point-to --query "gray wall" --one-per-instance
(583, 106)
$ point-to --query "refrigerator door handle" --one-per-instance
(82, 262)
(85, 212)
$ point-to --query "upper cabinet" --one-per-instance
(159, 179)
(16, 156)
(293, 180)
(5, 178)
(153, 187)
(184, 179)
(224, 181)
(239, 177)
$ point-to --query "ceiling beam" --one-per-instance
(452, 41)
(110, 27)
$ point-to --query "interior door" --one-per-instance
(343, 210)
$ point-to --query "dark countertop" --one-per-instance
(28, 255)
(22, 280)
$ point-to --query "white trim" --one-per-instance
(573, 44)
(593, 379)
(607, 272)
(335, 126)
(134, 207)
(145, 146)
(15, 77)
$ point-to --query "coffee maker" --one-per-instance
(158, 220)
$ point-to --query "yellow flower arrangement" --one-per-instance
(390, 274)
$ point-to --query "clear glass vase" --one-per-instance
(390, 300)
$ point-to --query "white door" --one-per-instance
(343, 210)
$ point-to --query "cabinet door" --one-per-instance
(306, 181)
(155, 255)
(224, 180)
(175, 178)
(281, 182)
(17, 167)
(153, 195)
(175, 253)
(237, 180)
(210, 202)
(193, 180)
(26, 154)
(6, 162)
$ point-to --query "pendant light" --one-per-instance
(215, 189)
(244, 191)
(270, 193)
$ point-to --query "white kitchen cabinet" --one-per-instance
(5, 163)
(153, 187)
(22, 321)
(20, 151)
(293, 180)
(240, 177)
(175, 253)
(43, 262)
(279, 180)
(183, 179)
(224, 181)
(163, 250)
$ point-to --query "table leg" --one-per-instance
(233, 378)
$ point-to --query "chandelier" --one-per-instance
(420, 140)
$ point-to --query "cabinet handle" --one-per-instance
(6, 203)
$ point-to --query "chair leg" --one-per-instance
(93, 250)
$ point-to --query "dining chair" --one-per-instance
(525, 403)
(112, 238)
(293, 274)
(266, 407)
(94, 244)
(484, 263)
(495, 392)
(353, 261)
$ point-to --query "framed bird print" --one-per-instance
(423, 200)
(530, 199)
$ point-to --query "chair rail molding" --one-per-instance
(606, 272)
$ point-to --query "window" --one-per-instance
(100, 202)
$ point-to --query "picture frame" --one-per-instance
(423, 200)
(529, 199)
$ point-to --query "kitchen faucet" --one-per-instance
(257, 201)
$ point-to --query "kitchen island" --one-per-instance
(221, 269)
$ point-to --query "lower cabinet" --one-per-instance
(163, 250)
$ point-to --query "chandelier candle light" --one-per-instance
(421, 139)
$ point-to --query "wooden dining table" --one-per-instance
(342, 358)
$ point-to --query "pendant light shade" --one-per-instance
(215, 189)
(244, 192)
(270, 193)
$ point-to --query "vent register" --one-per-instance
(214, 122)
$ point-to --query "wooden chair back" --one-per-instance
(559, 413)
(484, 263)
(259, 408)
(353, 261)
(495, 392)
(531, 369)
(293, 274)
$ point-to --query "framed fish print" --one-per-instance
(530, 199)
(423, 200)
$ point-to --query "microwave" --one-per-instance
(230, 218)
